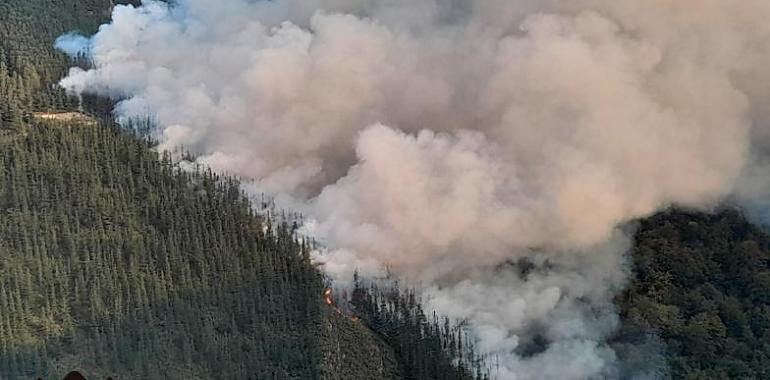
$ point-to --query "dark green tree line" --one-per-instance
(428, 347)
(702, 283)
(108, 246)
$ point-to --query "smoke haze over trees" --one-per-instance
(489, 154)
(445, 138)
(115, 261)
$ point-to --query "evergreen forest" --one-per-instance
(115, 261)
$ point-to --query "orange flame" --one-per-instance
(327, 295)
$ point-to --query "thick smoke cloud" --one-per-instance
(448, 139)
(73, 44)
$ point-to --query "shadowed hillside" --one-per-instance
(702, 283)
(116, 262)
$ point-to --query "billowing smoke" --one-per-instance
(452, 140)
(73, 44)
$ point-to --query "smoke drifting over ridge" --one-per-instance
(445, 137)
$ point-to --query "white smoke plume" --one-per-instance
(445, 138)
(73, 44)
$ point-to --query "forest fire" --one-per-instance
(328, 296)
(329, 300)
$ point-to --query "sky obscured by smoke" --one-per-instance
(445, 138)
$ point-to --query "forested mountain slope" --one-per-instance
(702, 282)
(113, 257)
(28, 64)
(114, 261)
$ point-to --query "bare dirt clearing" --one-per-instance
(65, 117)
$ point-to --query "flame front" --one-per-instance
(327, 295)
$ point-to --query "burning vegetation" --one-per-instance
(329, 300)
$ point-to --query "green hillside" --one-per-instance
(28, 64)
(114, 261)
(113, 257)
(702, 282)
